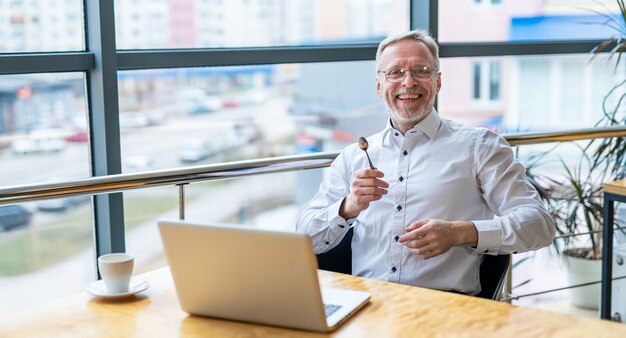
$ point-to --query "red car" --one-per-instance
(77, 136)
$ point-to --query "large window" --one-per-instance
(159, 84)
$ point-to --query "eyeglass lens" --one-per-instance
(418, 74)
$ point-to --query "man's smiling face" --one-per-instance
(408, 101)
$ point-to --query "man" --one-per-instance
(441, 195)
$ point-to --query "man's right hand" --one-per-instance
(366, 188)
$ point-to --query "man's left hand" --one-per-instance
(428, 238)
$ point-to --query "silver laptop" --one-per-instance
(240, 273)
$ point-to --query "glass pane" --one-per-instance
(46, 251)
(177, 117)
(43, 124)
(142, 209)
(41, 26)
(249, 23)
(269, 201)
(532, 20)
(526, 93)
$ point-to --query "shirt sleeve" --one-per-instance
(320, 219)
(522, 222)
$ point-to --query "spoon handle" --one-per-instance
(368, 160)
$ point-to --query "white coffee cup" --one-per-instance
(116, 269)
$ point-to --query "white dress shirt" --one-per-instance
(438, 169)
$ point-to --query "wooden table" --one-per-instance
(394, 311)
(614, 191)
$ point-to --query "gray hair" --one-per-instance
(417, 35)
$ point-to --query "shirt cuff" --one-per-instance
(336, 228)
(334, 217)
(489, 234)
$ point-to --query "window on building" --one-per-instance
(486, 81)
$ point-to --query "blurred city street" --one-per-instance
(74, 274)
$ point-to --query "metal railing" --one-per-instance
(183, 176)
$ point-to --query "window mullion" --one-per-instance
(102, 96)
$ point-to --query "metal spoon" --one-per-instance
(364, 145)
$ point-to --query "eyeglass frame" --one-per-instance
(403, 71)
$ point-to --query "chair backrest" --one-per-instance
(339, 258)
(492, 269)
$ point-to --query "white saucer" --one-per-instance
(137, 285)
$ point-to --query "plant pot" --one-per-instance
(580, 271)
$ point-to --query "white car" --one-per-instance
(194, 101)
(133, 119)
(133, 164)
(39, 141)
(194, 150)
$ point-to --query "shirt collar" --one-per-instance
(429, 126)
(388, 133)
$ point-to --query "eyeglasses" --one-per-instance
(421, 73)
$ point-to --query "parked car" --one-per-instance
(77, 135)
(195, 101)
(139, 163)
(194, 150)
(13, 216)
(39, 141)
(62, 204)
(249, 132)
(133, 119)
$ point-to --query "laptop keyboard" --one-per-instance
(330, 309)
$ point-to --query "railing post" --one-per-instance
(181, 201)
(508, 282)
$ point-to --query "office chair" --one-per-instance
(492, 269)
(339, 258)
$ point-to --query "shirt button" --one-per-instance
(341, 226)
(405, 153)
(514, 252)
(397, 134)
(486, 250)
(401, 178)
(327, 242)
(396, 238)
(399, 207)
(393, 269)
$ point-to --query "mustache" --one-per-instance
(408, 91)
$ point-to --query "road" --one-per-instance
(150, 148)
(159, 143)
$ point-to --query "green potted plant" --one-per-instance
(574, 198)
